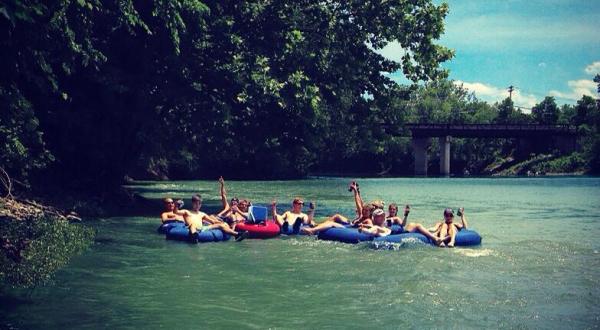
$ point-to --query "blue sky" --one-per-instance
(543, 48)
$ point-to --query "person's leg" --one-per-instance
(452, 234)
(417, 227)
(296, 227)
(320, 227)
(224, 228)
(191, 226)
(339, 219)
(443, 235)
(213, 219)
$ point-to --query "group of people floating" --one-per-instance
(371, 219)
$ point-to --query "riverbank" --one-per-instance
(36, 240)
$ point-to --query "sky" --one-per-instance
(542, 47)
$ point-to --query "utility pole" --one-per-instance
(511, 88)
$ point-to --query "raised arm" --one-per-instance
(223, 194)
(463, 218)
(406, 212)
(311, 213)
(357, 199)
(278, 219)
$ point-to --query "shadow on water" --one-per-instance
(9, 302)
(105, 240)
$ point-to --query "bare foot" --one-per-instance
(307, 231)
(440, 241)
(451, 244)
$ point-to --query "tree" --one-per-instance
(200, 88)
(506, 111)
(546, 112)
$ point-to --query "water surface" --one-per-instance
(537, 266)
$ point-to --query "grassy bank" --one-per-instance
(36, 240)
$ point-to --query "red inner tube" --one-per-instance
(266, 229)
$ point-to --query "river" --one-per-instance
(536, 268)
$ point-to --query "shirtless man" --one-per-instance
(169, 214)
(294, 216)
(377, 228)
(195, 220)
(446, 230)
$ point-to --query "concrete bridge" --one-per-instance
(564, 138)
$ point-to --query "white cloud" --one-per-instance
(578, 89)
(593, 68)
(492, 93)
(542, 64)
(392, 51)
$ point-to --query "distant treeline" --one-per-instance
(94, 91)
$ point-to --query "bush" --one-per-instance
(574, 162)
(51, 243)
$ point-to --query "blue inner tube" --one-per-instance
(167, 225)
(351, 234)
(345, 235)
(181, 233)
(465, 237)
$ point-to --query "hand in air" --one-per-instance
(406, 210)
(221, 180)
(353, 186)
(312, 205)
(273, 204)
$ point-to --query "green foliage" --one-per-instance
(93, 91)
(546, 112)
(22, 149)
(193, 88)
(53, 243)
(572, 163)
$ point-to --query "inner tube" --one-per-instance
(351, 234)
(267, 229)
(181, 233)
(465, 237)
(167, 225)
(346, 235)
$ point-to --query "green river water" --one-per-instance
(536, 267)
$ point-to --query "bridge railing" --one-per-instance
(525, 127)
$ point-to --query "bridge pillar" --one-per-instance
(420, 146)
(445, 155)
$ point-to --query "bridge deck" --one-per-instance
(491, 130)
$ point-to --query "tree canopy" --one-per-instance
(93, 91)
(103, 89)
